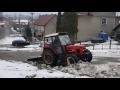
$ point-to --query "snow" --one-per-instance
(9, 39)
(54, 34)
(102, 49)
(20, 49)
(106, 53)
(13, 69)
(2, 23)
(23, 70)
(80, 70)
(34, 46)
(13, 30)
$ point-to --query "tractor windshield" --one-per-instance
(65, 40)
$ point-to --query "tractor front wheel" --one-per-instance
(70, 58)
(86, 57)
(49, 58)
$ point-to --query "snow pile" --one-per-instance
(32, 46)
(106, 53)
(109, 70)
(80, 70)
(8, 40)
(22, 70)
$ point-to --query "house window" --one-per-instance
(104, 20)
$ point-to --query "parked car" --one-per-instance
(20, 43)
(97, 40)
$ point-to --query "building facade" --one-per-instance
(90, 24)
(45, 24)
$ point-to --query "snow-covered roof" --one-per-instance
(55, 34)
(26, 21)
(49, 35)
(2, 23)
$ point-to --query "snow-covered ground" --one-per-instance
(14, 69)
(114, 52)
(23, 70)
(21, 49)
(8, 41)
(102, 49)
(80, 70)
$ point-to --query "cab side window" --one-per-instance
(48, 41)
(56, 41)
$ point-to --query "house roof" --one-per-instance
(116, 27)
(43, 20)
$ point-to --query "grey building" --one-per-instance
(91, 23)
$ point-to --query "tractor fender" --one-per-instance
(51, 50)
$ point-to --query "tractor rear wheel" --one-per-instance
(70, 58)
(49, 58)
(86, 57)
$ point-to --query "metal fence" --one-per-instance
(104, 47)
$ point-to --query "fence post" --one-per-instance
(117, 47)
(102, 46)
(93, 46)
(110, 44)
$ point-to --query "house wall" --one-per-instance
(104, 14)
(89, 26)
(50, 27)
(4, 31)
(100, 14)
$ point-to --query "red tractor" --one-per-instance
(59, 50)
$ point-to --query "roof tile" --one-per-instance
(43, 20)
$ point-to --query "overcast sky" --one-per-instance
(28, 13)
(37, 13)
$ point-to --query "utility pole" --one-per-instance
(19, 24)
(32, 27)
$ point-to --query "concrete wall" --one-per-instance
(51, 26)
(90, 26)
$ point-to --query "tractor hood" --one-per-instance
(77, 49)
(75, 46)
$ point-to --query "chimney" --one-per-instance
(89, 13)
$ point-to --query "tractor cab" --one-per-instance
(57, 42)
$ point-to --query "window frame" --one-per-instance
(106, 21)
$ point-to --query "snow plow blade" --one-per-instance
(37, 59)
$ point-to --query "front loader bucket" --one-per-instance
(37, 59)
